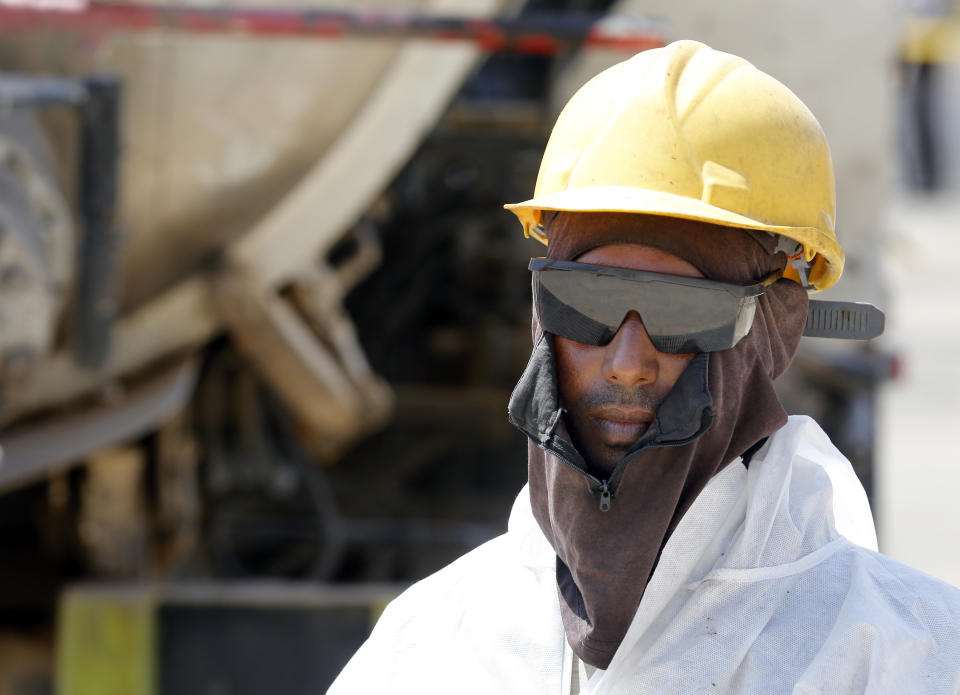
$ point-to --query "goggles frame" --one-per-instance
(681, 314)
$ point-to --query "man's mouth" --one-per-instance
(621, 426)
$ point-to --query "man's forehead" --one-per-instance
(719, 253)
(635, 256)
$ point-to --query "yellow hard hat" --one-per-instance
(686, 131)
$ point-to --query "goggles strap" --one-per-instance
(773, 277)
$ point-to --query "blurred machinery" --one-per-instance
(178, 236)
(229, 262)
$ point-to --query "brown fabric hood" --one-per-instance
(722, 405)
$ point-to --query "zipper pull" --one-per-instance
(604, 497)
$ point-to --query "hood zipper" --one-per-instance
(605, 496)
(607, 488)
(542, 440)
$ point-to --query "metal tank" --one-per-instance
(245, 158)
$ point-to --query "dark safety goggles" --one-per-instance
(587, 303)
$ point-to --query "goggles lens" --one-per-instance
(587, 303)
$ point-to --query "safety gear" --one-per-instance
(720, 406)
(587, 303)
(770, 584)
(685, 131)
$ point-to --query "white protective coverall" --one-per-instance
(770, 583)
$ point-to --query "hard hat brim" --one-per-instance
(643, 201)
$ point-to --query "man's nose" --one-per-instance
(630, 358)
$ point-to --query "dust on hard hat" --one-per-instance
(686, 131)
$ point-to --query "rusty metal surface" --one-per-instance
(113, 524)
(320, 380)
(32, 453)
(217, 128)
(19, 91)
(175, 323)
(543, 33)
(36, 249)
(179, 508)
(247, 593)
(225, 153)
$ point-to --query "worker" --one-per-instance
(679, 533)
(929, 50)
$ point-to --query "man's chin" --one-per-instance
(604, 447)
(602, 458)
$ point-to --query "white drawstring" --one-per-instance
(567, 669)
(575, 675)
